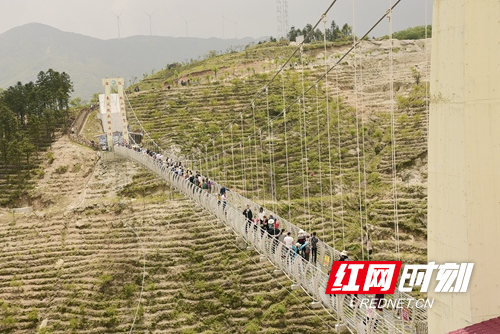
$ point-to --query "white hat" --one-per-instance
(343, 253)
(301, 232)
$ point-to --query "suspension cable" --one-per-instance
(271, 150)
(250, 163)
(341, 186)
(335, 65)
(356, 116)
(263, 167)
(302, 168)
(365, 183)
(206, 162)
(320, 166)
(273, 169)
(256, 153)
(330, 167)
(232, 158)
(224, 179)
(242, 150)
(393, 139)
(286, 150)
(306, 162)
(282, 68)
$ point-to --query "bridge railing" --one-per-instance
(312, 277)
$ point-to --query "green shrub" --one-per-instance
(33, 317)
(111, 315)
(50, 157)
(252, 327)
(129, 290)
(105, 281)
(61, 169)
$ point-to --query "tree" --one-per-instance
(293, 33)
(346, 31)
(211, 54)
(318, 35)
(215, 69)
(14, 98)
(76, 102)
(95, 98)
(8, 123)
(307, 29)
(30, 113)
(333, 33)
(418, 32)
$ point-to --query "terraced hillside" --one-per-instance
(327, 162)
(105, 234)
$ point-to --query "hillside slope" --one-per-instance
(77, 263)
(336, 179)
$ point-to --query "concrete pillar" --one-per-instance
(464, 157)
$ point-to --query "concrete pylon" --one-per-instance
(464, 158)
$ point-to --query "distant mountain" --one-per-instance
(34, 47)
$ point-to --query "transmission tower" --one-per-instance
(282, 18)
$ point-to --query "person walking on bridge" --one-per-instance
(248, 213)
(314, 247)
(248, 216)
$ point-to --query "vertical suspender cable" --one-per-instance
(271, 152)
(256, 152)
(357, 131)
(263, 167)
(242, 159)
(273, 169)
(320, 166)
(302, 168)
(215, 163)
(365, 180)
(270, 165)
(286, 150)
(393, 138)
(232, 157)
(330, 167)
(341, 186)
(242, 150)
(306, 163)
(206, 161)
(223, 164)
(250, 168)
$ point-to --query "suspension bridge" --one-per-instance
(294, 122)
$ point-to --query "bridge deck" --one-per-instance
(311, 277)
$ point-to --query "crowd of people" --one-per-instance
(177, 168)
(305, 245)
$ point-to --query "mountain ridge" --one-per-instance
(28, 49)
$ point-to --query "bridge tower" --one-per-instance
(464, 158)
(113, 115)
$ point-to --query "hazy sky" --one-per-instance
(204, 18)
